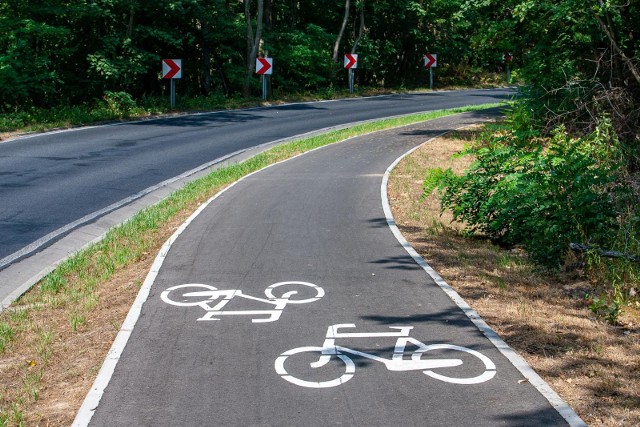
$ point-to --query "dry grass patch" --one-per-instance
(593, 365)
(58, 350)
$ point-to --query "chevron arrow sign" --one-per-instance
(171, 68)
(430, 60)
(350, 61)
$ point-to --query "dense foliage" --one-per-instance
(543, 195)
(61, 52)
(577, 55)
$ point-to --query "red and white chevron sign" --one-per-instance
(350, 61)
(264, 66)
(171, 68)
(430, 60)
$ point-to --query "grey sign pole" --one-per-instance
(172, 70)
(351, 78)
(431, 78)
(172, 95)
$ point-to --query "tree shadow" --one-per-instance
(220, 118)
(398, 263)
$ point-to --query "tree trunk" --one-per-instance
(361, 30)
(336, 47)
(206, 59)
(252, 42)
(608, 29)
(130, 25)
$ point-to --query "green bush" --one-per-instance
(542, 194)
(120, 104)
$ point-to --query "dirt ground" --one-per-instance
(594, 366)
(49, 367)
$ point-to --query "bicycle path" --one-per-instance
(238, 348)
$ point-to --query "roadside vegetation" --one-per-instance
(546, 314)
(569, 201)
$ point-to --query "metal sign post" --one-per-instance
(351, 81)
(172, 95)
(351, 63)
(263, 80)
(172, 69)
(264, 68)
(431, 62)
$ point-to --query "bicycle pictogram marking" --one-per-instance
(397, 363)
(213, 300)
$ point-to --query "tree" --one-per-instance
(253, 42)
(336, 46)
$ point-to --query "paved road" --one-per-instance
(316, 220)
(49, 181)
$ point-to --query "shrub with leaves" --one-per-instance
(120, 104)
(539, 193)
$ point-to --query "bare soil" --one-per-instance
(48, 368)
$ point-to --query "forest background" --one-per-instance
(69, 52)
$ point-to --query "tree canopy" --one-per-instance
(73, 51)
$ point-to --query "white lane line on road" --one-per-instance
(516, 360)
(92, 399)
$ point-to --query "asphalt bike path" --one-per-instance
(288, 301)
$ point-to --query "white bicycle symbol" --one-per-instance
(330, 350)
(204, 296)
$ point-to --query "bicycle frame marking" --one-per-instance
(221, 298)
(396, 363)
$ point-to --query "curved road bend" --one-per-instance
(48, 181)
(317, 220)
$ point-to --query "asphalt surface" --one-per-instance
(316, 219)
(51, 180)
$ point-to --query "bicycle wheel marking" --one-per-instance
(346, 376)
(213, 300)
(420, 359)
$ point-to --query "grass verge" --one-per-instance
(53, 339)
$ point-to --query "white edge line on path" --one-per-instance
(516, 360)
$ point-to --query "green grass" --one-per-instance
(7, 333)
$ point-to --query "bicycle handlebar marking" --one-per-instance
(397, 362)
(206, 298)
